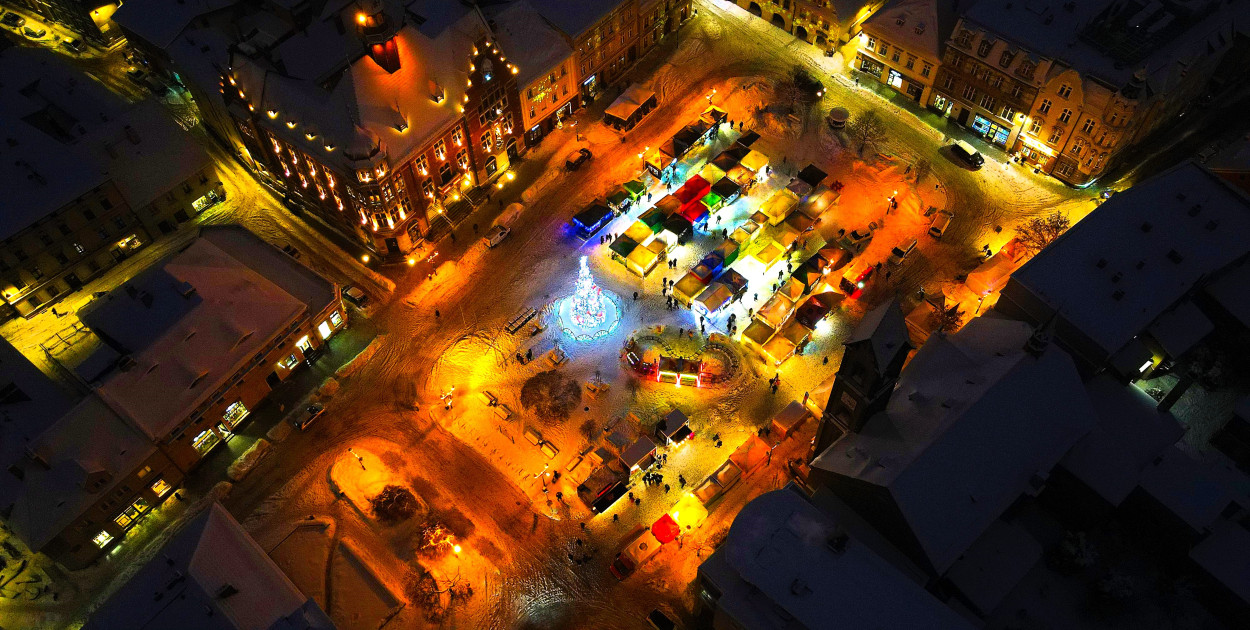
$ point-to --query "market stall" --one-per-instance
(711, 172)
(688, 137)
(728, 251)
(677, 230)
(644, 258)
(688, 288)
(757, 335)
(811, 312)
(776, 311)
(832, 258)
(621, 247)
(693, 190)
(744, 234)
(727, 189)
(754, 161)
(818, 202)
(713, 115)
(747, 139)
(790, 419)
(725, 161)
(673, 428)
(679, 371)
(769, 254)
(635, 189)
(741, 176)
(628, 108)
(778, 205)
(778, 349)
(660, 158)
(653, 218)
(619, 200)
(695, 213)
(639, 232)
(591, 220)
(668, 204)
(710, 301)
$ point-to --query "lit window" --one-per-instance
(161, 488)
(102, 539)
(235, 413)
(205, 441)
(324, 329)
(144, 473)
(289, 362)
(124, 519)
(1065, 115)
(336, 320)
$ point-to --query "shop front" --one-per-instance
(941, 104)
(871, 66)
(1034, 152)
(590, 89)
(552, 122)
(991, 131)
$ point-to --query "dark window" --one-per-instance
(88, 215)
(106, 203)
(120, 222)
(64, 229)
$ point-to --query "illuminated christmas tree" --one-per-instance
(589, 306)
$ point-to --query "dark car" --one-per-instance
(660, 621)
(73, 45)
(13, 20)
(577, 158)
(311, 413)
(967, 154)
(355, 296)
(808, 83)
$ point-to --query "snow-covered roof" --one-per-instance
(778, 568)
(160, 21)
(575, 17)
(1225, 555)
(30, 403)
(1180, 328)
(1195, 492)
(974, 422)
(1117, 270)
(88, 440)
(885, 328)
(210, 576)
(1081, 35)
(920, 26)
(1130, 433)
(529, 40)
(188, 324)
(1231, 290)
(994, 565)
(64, 135)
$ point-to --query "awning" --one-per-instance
(754, 160)
(618, 198)
(653, 218)
(711, 172)
(631, 105)
(726, 188)
(812, 175)
(758, 333)
(635, 188)
(665, 529)
(725, 161)
(693, 190)
(589, 221)
(668, 204)
(622, 246)
(747, 139)
(638, 231)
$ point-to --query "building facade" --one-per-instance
(825, 24)
(69, 224)
(658, 19)
(901, 46)
(603, 35)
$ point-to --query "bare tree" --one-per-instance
(1039, 232)
(947, 318)
(921, 168)
(866, 129)
(787, 92)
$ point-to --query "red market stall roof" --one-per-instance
(665, 529)
(693, 190)
(695, 213)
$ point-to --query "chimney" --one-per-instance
(132, 135)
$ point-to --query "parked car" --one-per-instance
(900, 253)
(577, 158)
(660, 621)
(311, 413)
(135, 75)
(355, 295)
(941, 221)
(856, 278)
(73, 45)
(966, 153)
(291, 251)
(856, 241)
(36, 32)
(496, 235)
(13, 20)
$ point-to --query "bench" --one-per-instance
(520, 320)
(533, 436)
(549, 450)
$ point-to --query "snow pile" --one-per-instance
(248, 460)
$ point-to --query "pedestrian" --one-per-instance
(616, 518)
(757, 297)
(740, 123)
(453, 236)
(805, 394)
(631, 495)
(856, 81)
(887, 275)
(437, 314)
(475, 228)
(520, 359)
(560, 497)
(637, 502)
(635, 296)
(666, 488)
(648, 196)
(529, 356)
(825, 361)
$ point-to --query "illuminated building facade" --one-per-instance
(825, 24)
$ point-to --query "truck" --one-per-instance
(641, 547)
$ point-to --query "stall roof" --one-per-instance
(725, 161)
(713, 114)
(778, 205)
(833, 257)
(674, 421)
(642, 448)
(653, 218)
(776, 310)
(779, 348)
(593, 217)
(769, 254)
(643, 259)
(692, 190)
(812, 175)
(726, 188)
(622, 246)
(618, 197)
(810, 312)
(665, 529)
(714, 297)
(695, 212)
(678, 225)
(690, 286)
(711, 172)
(741, 175)
(635, 188)
(732, 279)
(751, 455)
(628, 103)
(747, 139)
(639, 232)
(758, 332)
(800, 221)
(668, 204)
(754, 160)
